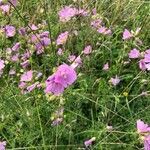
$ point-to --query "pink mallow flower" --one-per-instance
(115, 81)
(62, 38)
(2, 64)
(87, 50)
(61, 79)
(142, 65)
(105, 31)
(127, 34)
(27, 76)
(134, 53)
(5, 8)
(2, 145)
(147, 142)
(96, 23)
(66, 13)
(89, 142)
(106, 67)
(14, 2)
(10, 31)
(142, 127)
(16, 47)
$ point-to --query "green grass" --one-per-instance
(91, 103)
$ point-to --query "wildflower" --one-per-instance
(142, 127)
(2, 145)
(22, 31)
(25, 64)
(142, 64)
(77, 62)
(147, 57)
(61, 79)
(12, 72)
(53, 87)
(10, 31)
(15, 58)
(82, 12)
(60, 51)
(127, 34)
(134, 53)
(96, 23)
(87, 50)
(106, 67)
(147, 142)
(33, 27)
(62, 38)
(89, 142)
(27, 76)
(57, 121)
(32, 87)
(104, 30)
(2, 64)
(22, 85)
(5, 8)
(115, 81)
(71, 58)
(14, 2)
(16, 47)
(94, 11)
(66, 13)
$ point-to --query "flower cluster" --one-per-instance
(68, 12)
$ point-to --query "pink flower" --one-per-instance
(142, 64)
(96, 23)
(142, 127)
(62, 38)
(5, 8)
(60, 51)
(62, 78)
(71, 58)
(2, 64)
(2, 145)
(16, 47)
(65, 75)
(134, 53)
(106, 66)
(10, 31)
(22, 31)
(22, 85)
(147, 57)
(77, 62)
(147, 142)
(32, 87)
(25, 64)
(14, 2)
(115, 81)
(66, 13)
(33, 27)
(147, 66)
(27, 76)
(87, 50)
(89, 142)
(53, 87)
(127, 34)
(15, 58)
(94, 11)
(104, 30)
(82, 12)
(57, 121)
(12, 72)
